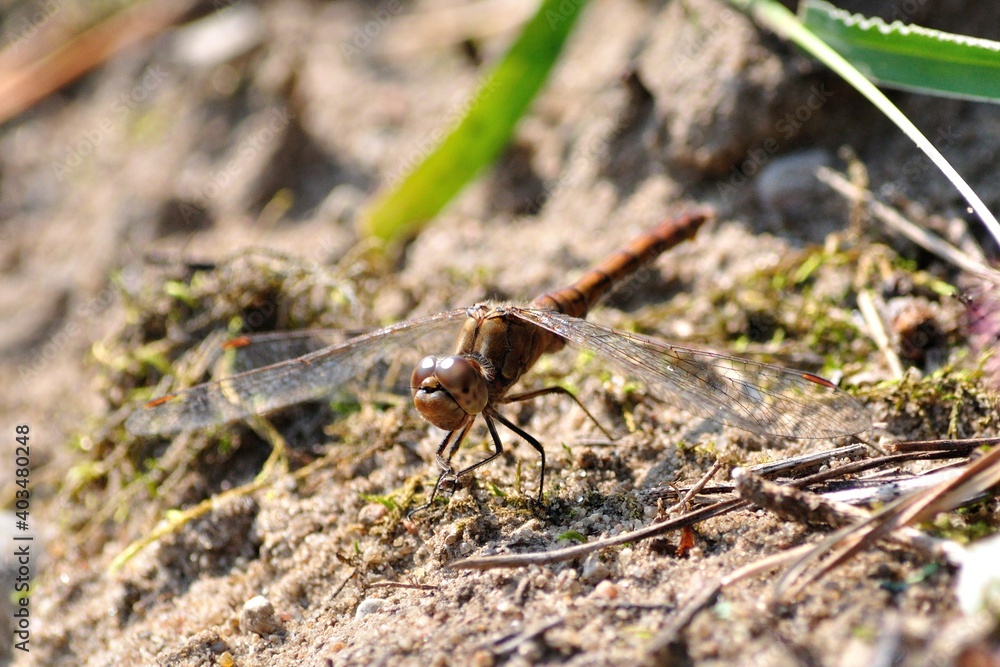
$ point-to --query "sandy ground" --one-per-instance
(175, 191)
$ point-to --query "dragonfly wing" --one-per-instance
(264, 349)
(315, 375)
(756, 397)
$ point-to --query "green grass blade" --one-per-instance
(783, 23)
(483, 131)
(909, 56)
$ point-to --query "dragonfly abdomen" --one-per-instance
(577, 299)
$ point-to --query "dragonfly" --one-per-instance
(498, 343)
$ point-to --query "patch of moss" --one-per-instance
(968, 524)
(950, 403)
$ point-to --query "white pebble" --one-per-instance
(258, 617)
(368, 606)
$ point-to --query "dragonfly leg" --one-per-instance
(447, 478)
(528, 395)
(528, 438)
(497, 445)
(445, 461)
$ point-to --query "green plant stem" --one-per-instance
(783, 23)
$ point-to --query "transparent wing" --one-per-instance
(756, 397)
(353, 362)
(252, 351)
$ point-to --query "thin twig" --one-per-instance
(929, 445)
(21, 88)
(400, 584)
(868, 464)
(576, 551)
(808, 461)
(696, 489)
(754, 487)
(876, 327)
(980, 475)
(772, 469)
(511, 643)
(810, 509)
(703, 513)
(921, 237)
(343, 584)
(880, 490)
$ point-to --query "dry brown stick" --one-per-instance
(795, 505)
(510, 643)
(878, 331)
(868, 464)
(811, 508)
(696, 489)
(813, 460)
(22, 88)
(400, 584)
(921, 237)
(772, 469)
(343, 584)
(568, 553)
(690, 518)
(982, 474)
(941, 445)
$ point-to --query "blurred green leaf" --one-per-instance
(775, 17)
(572, 536)
(483, 131)
(909, 56)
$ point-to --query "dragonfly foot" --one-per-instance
(447, 482)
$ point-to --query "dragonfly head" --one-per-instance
(447, 390)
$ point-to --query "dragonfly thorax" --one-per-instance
(448, 390)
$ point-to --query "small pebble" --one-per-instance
(594, 570)
(453, 534)
(606, 590)
(219, 37)
(368, 606)
(483, 658)
(371, 513)
(788, 183)
(258, 617)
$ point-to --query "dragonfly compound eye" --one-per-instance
(423, 371)
(448, 390)
(463, 379)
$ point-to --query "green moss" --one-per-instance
(387, 501)
(949, 403)
(968, 524)
(572, 536)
